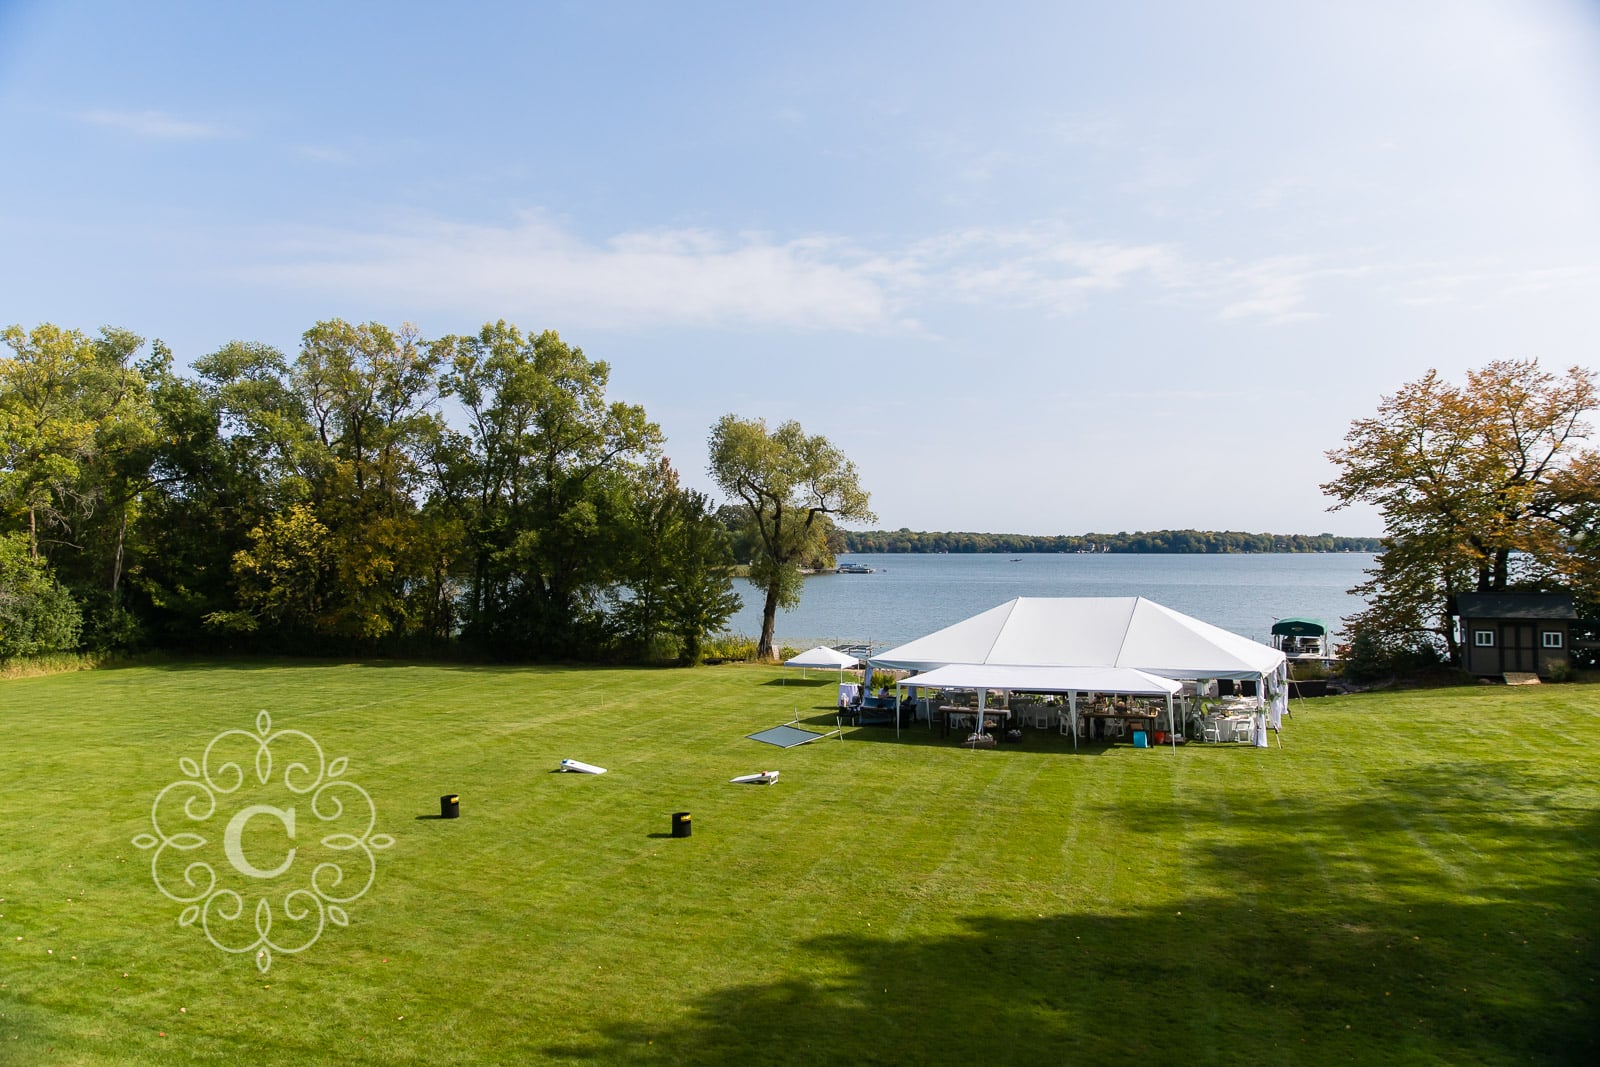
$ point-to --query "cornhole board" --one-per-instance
(763, 778)
(1515, 678)
(581, 768)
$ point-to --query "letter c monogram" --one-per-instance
(231, 845)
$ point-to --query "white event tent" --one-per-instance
(1074, 645)
(822, 656)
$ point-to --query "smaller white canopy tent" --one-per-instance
(822, 656)
(1069, 680)
(1044, 679)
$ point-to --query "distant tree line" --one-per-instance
(322, 503)
(1175, 541)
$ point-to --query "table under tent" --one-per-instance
(1071, 682)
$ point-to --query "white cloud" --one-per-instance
(154, 124)
(1475, 282)
(1272, 291)
(689, 277)
(1030, 268)
(699, 277)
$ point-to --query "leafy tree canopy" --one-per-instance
(1483, 486)
(322, 502)
(792, 487)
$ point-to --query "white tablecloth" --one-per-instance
(1235, 728)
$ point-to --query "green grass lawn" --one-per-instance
(1412, 878)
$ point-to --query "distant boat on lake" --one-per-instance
(856, 568)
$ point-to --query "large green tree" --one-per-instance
(540, 480)
(793, 487)
(1485, 486)
(370, 395)
(226, 459)
(325, 458)
(75, 431)
(677, 590)
(66, 399)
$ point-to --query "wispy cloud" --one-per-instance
(1273, 291)
(1033, 267)
(1472, 283)
(689, 277)
(695, 277)
(153, 124)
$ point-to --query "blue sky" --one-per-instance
(1036, 267)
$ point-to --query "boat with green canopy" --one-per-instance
(1301, 638)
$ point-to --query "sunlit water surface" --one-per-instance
(912, 595)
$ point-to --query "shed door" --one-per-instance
(1519, 647)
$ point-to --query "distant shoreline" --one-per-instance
(1163, 542)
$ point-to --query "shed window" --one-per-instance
(1552, 639)
(1483, 638)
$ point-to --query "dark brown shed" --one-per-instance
(1527, 633)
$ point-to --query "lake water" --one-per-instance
(912, 595)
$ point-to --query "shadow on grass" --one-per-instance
(177, 663)
(1033, 743)
(1220, 983)
(809, 683)
(1337, 943)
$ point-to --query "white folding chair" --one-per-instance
(1037, 716)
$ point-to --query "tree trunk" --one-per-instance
(116, 563)
(769, 622)
(1447, 625)
(479, 604)
(33, 535)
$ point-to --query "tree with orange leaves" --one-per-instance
(1488, 486)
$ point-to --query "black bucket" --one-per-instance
(681, 827)
(450, 806)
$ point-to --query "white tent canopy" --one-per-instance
(1124, 632)
(822, 656)
(1075, 636)
(1044, 679)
